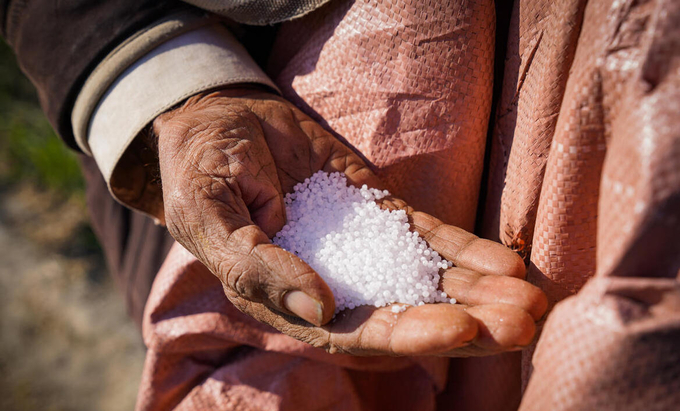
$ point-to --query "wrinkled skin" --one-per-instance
(227, 158)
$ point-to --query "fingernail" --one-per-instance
(304, 306)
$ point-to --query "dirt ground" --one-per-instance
(65, 340)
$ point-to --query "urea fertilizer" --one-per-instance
(366, 255)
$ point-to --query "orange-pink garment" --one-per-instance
(584, 182)
(205, 354)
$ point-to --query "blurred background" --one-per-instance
(66, 342)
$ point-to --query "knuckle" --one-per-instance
(314, 336)
(242, 278)
(322, 342)
(239, 303)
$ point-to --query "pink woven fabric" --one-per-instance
(205, 354)
(584, 183)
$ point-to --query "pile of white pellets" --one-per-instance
(366, 255)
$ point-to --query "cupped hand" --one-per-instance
(227, 158)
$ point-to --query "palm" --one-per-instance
(237, 152)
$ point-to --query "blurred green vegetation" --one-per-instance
(31, 154)
(29, 148)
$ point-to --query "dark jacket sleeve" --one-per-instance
(58, 43)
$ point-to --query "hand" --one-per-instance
(226, 160)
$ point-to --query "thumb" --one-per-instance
(221, 235)
(254, 270)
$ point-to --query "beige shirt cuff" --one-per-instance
(199, 60)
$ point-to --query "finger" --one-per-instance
(240, 254)
(343, 160)
(269, 210)
(291, 134)
(251, 176)
(420, 330)
(227, 171)
(370, 331)
(466, 250)
(253, 269)
(502, 327)
(432, 329)
(332, 155)
(472, 288)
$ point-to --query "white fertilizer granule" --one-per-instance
(366, 255)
